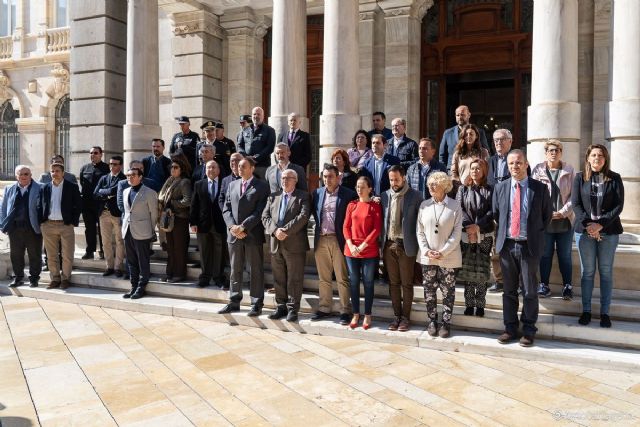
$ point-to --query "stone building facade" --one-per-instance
(129, 67)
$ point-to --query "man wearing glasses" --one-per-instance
(90, 174)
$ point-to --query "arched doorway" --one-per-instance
(9, 141)
(62, 128)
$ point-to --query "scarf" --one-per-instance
(395, 213)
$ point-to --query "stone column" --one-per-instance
(98, 74)
(372, 60)
(402, 61)
(554, 111)
(288, 63)
(340, 117)
(197, 67)
(142, 79)
(623, 128)
(243, 63)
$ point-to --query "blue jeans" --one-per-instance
(603, 252)
(561, 242)
(368, 266)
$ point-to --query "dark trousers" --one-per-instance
(367, 266)
(288, 273)
(21, 239)
(211, 245)
(250, 252)
(177, 248)
(90, 218)
(400, 269)
(516, 262)
(138, 259)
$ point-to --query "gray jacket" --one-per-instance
(141, 215)
(410, 208)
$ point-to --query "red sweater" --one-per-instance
(363, 223)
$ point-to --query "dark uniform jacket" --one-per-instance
(90, 174)
(188, 143)
(259, 142)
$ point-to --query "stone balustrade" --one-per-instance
(6, 47)
(58, 40)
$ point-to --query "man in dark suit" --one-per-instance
(20, 219)
(400, 205)
(285, 220)
(377, 166)
(298, 141)
(378, 118)
(89, 176)
(258, 142)
(234, 161)
(106, 193)
(450, 136)
(245, 202)
(157, 166)
(523, 209)
(274, 172)
(329, 209)
(207, 152)
(61, 208)
(401, 145)
(206, 220)
(418, 173)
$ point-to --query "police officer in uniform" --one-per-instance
(224, 149)
(245, 126)
(187, 140)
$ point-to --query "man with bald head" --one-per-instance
(450, 136)
(258, 143)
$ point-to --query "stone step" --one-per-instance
(550, 350)
(557, 326)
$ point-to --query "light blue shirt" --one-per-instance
(501, 167)
(524, 207)
(377, 164)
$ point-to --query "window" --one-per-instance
(7, 17)
(9, 141)
(62, 128)
(62, 13)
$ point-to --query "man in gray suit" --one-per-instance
(399, 241)
(274, 172)
(285, 219)
(138, 224)
(242, 212)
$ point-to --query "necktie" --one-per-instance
(515, 213)
(244, 187)
(212, 190)
(283, 210)
(291, 134)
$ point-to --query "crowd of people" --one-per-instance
(436, 215)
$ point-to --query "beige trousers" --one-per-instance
(330, 259)
(54, 234)
(110, 225)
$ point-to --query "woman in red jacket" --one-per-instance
(361, 228)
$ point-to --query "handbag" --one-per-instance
(476, 265)
(167, 220)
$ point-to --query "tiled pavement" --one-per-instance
(65, 364)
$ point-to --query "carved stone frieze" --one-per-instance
(61, 81)
(4, 86)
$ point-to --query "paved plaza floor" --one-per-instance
(64, 364)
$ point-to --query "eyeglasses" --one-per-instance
(131, 175)
(288, 177)
(500, 139)
(25, 174)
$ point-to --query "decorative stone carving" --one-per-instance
(61, 83)
(367, 16)
(4, 86)
(416, 9)
(195, 22)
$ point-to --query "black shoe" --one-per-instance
(225, 287)
(292, 316)
(177, 279)
(496, 287)
(131, 292)
(126, 276)
(87, 255)
(345, 318)
(18, 281)
(319, 315)
(101, 255)
(229, 308)
(605, 322)
(203, 284)
(585, 318)
(119, 273)
(255, 311)
(108, 272)
(33, 284)
(480, 312)
(526, 341)
(468, 311)
(139, 293)
(278, 314)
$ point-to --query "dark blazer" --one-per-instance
(46, 177)
(345, 195)
(300, 147)
(296, 218)
(258, 141)
(540, 212)
(164, 161)
(106, 193)
(90, 174)
(386, 132)
(349, 179)
(449, 142)
(413, 175)
(224, 188)
(276, 185)
(410, 207)
(71, 203)
(492, 176)
(480, 214)
(204, 213)
(7, 207)
(612, 203)
(407, 151)
(246, 209)
(368, 169)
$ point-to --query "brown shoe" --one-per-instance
(445, 331)
(526, 341)
(65, 284)
(53, 285)
(404, 325)
(393, 326)
(506, 337)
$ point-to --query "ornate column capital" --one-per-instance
(197, 21)
(244, 22)
(415, 9)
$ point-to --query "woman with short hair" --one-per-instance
(361, 150)
(439, 229)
